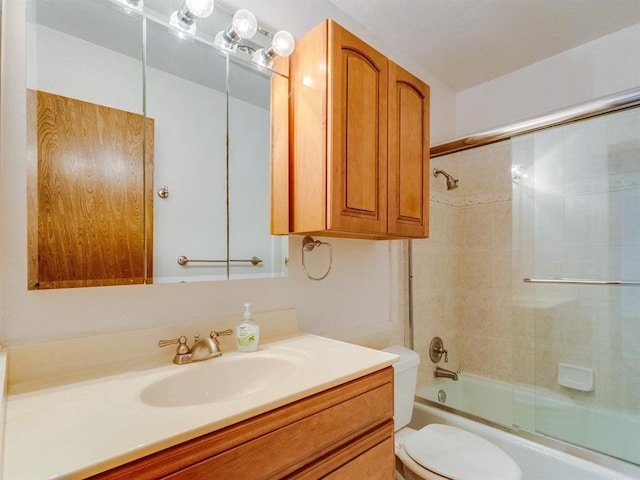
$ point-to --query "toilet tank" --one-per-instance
(405, 372)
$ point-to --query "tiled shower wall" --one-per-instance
(462, 272)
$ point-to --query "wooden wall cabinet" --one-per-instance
(345, 432)
(358, 141)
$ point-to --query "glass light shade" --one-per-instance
(244, 23)
(200, 8)
(283, 43)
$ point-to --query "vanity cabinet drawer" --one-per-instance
(307, 439)
(365, 458)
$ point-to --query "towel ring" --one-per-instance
(308, 244)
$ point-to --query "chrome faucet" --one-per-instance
(202, 349)
(444, 373)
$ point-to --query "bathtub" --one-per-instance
(536, 409)
(479, 396)
(539, 457)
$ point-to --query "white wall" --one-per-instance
(604, 66)
(361, 300)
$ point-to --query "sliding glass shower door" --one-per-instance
(576, 283)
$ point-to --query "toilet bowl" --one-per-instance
(440, 452)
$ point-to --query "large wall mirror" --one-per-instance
(148, 148)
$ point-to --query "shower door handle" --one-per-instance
(579, 281)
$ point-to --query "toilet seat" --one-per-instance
(459, 455)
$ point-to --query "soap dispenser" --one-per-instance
(247, 332)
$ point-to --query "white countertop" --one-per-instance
(82, 428)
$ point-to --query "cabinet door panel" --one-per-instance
(408, 154)
(308, 132)
(358, 140)
(361, 124)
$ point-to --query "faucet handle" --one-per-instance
(436, 349)
(182, 344)
(214, 335)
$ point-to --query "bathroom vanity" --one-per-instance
(345, 431)
(302, 406)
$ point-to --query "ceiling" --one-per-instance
(468, 42)
(461, 42)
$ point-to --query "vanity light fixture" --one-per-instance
(243, 25)
(282, 44)
(185, 17)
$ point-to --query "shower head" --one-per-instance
(452, 183)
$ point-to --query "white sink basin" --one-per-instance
(219, 379)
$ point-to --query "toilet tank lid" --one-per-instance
(408, 358)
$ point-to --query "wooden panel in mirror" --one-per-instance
(92, 217)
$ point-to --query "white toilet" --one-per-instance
(440, 452)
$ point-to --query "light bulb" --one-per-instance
(185, 17)
(283, 43)
(200, 8)
(244, 23)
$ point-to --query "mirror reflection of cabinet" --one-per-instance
(92, 220)
(210, 139)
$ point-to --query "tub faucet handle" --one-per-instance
(442, 350)
(436, 350)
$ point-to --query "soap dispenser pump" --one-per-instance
(247, 332)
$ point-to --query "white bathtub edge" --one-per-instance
(603, 466)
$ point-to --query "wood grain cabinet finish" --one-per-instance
(358, 141)
(408, 166)
(345, 432)
(90, 194)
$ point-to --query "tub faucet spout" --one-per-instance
(444, 373)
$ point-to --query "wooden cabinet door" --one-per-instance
(93, 193)
(408, 199)
(357, 139)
